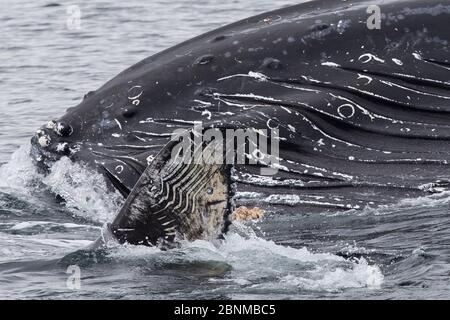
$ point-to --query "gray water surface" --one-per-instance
(402, 251)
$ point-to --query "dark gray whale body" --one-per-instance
(363, 116)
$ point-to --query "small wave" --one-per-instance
(259, 265)
(425, 202)
(436, 199)
(45, 225)
(62, 243)
(32, 224)
(25, 246)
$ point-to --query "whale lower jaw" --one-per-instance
(175, 199)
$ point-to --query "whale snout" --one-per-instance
(51, 142)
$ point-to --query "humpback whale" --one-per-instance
(362, 114)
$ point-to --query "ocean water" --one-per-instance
(396, 252)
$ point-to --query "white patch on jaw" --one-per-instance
(291, 128)
(74, 149)
(137, 94)
(269, 126)
(397, 61)
(61, 146)
(258, 76)
(44, 141)
(116, 135)
(369, 79)
(150, 159)
(207, 113)
(119, 169)
(330, 64)
(204, 103)
(367, 57)
(255, 75)
(118, 123)
(417, 56)
(286, 109)
(348, 107)
(51, 125)
(58, 128)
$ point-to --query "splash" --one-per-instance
(19, 173)
(255, 259)
(85, 191)
(263, 266)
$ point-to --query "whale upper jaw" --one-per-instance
(56, 140)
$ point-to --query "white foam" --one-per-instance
(264, 265)
(84, 190)
(20, 172)
(254, 258)
(361, 275)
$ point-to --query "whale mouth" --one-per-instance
(170, 201)
(151, 218)
(174, 200)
